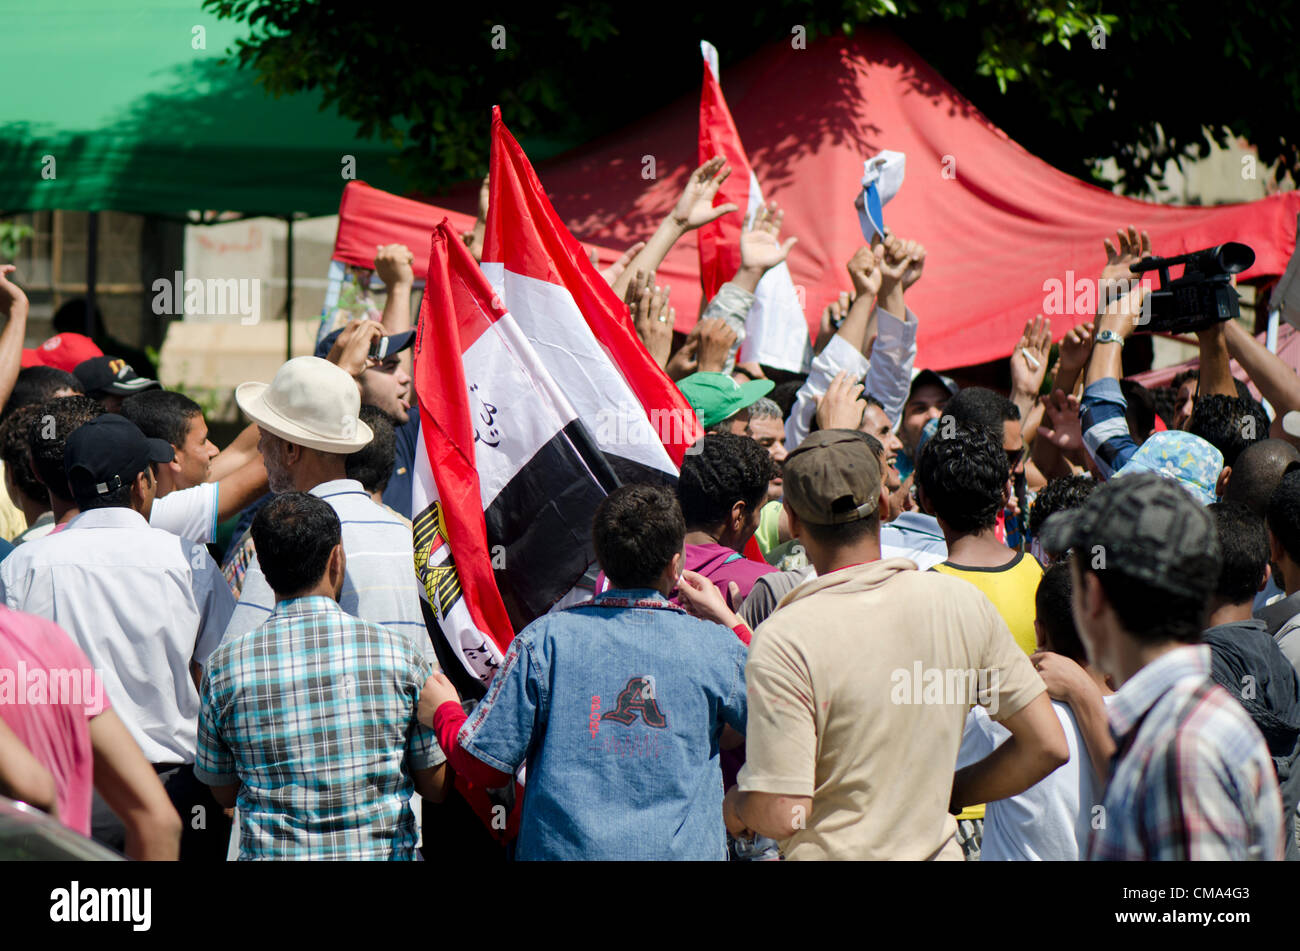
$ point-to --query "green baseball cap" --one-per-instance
(716, 396)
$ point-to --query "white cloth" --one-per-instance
(914, 535)
(379, 583)
(888, 373)
(190, 513)
(1049, 821)
(142, 603)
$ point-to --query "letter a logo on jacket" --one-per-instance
(638, 697)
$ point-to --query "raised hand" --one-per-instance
(1065, 432)
(694, 208)
(760, 246)
(716, 340)
(1029, 359)
(652, 317)
(13, 300)
(394, 264)
(864, 271)
(842, 406)
(612, 273)
(1076, 347)
(833, 315)
(1128, 248)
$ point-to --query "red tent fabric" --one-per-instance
(997, 222)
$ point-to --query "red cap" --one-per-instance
(62, 351)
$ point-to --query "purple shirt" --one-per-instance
(722, 565)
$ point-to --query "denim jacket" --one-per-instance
(618, 706)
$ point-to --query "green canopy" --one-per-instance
(136, 119)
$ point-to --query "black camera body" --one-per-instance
(1203, 296)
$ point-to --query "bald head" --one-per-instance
(1258, 471)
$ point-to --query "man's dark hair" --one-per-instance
(119, 498)
(1258, 471)
(984, 407)
(71, 318)
(47, 437)
(1244, 542)
(1150, 617)
(963, 476)
(1177, 382)
(162, 414)
(372, 464)
(719, 472)
(294, 534)
(1052, 606)
(783, 395)
(1140, 411)
(17, 457)
(36, 385)
(1229, 424)
(1165, 401)
(636, 531)
(1068, 492)
(1283, 513)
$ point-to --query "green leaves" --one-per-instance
(1071, 80)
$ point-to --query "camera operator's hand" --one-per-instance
(1117, 279)
(351, 351)
(842, 406)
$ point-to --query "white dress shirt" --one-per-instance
(190, 513)
(142, 603)
(379, 583)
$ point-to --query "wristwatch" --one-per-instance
(1109, 336)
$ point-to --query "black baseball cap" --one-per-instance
(394, 343)
(832, 478)
(1143, 527)
(108, 452)
(102, 375)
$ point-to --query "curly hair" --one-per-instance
(963, 474)
(636, 531)
(47, 436)
(1058, 495)
(717, 473)
(17, 457)
(1229, 424)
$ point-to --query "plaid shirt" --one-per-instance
(313, 712)
(1192, 778)
(1105, 427)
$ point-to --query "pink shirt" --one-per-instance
(48, 694)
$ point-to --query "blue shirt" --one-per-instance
(618, 710)
(397, 494)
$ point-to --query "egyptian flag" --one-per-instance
(581, 331)
(506, 477)
(776, 333)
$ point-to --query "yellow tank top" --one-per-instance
(1011, 588)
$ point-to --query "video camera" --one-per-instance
(1203, 296)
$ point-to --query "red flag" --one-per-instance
(776, 331)
(582, 332)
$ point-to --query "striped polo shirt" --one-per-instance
(379, 583)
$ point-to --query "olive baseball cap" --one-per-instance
(832, 478)
(716, 396)
(1144, 527)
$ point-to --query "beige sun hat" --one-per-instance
(311, 402)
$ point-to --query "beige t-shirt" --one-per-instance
(859, 685)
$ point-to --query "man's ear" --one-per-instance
(337, 566)
(738, 512)
(1275, 551)
(792, 519)
(1221, 485)
(1263, 582)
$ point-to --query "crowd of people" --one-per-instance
(880, 615)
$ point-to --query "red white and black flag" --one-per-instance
(581, 331)
(506, 477)
(776, 333)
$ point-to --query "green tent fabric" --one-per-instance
(136, 119)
